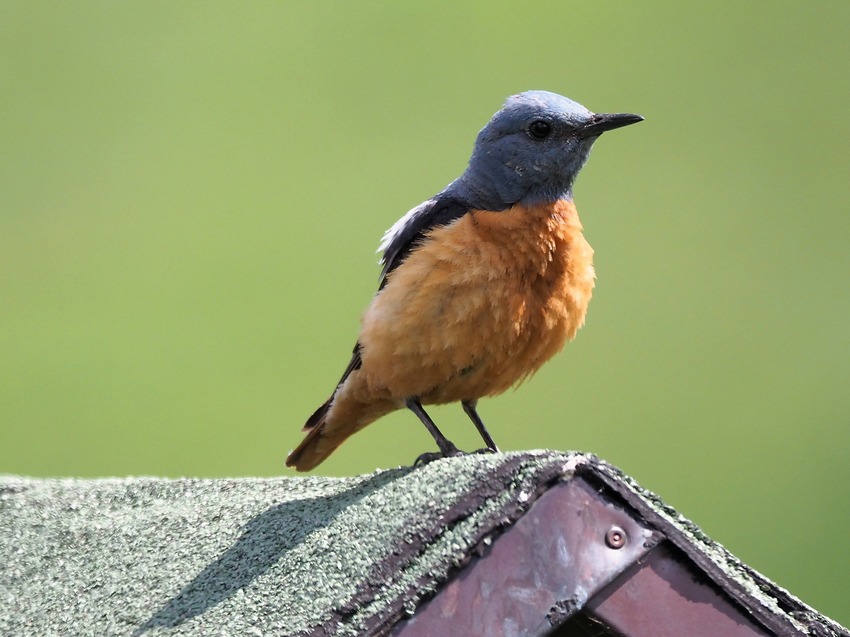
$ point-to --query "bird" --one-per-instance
(480, 284)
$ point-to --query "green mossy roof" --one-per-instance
(293, 556)
(245, 556)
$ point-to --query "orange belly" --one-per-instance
(480, 306)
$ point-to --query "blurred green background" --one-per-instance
(192, 194)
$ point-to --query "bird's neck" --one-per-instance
(490, 190)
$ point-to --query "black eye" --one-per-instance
(539, 129)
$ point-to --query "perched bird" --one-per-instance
(480, 285)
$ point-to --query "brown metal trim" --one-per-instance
(768, 604)
(662, 596)
(567, 547)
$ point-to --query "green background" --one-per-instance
(191, 195)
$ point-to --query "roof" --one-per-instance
(301, 555)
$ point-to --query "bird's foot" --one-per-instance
(487, 450)
(430, 456)
(426, 458)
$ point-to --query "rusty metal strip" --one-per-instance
(569, 545)
(662, 596)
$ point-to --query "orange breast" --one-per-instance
(480, 306)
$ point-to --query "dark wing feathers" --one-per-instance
(410, 230)
(399, 242)
(319, 415)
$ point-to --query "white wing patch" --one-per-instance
(405, 222)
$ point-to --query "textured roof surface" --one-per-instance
(292, 556)
(275, 556)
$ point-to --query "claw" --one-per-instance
(430, 456)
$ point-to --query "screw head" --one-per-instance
(616, 537)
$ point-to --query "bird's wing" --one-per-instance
(412, 229)
(398, 242)
(319, 415)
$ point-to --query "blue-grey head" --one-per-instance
(532, 150)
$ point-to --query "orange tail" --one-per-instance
(330, 426)
(312, 451)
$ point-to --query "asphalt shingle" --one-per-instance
(279, 556)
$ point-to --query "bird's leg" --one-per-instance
(447, 447)
(469, 408)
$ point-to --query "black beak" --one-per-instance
(601, 122)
